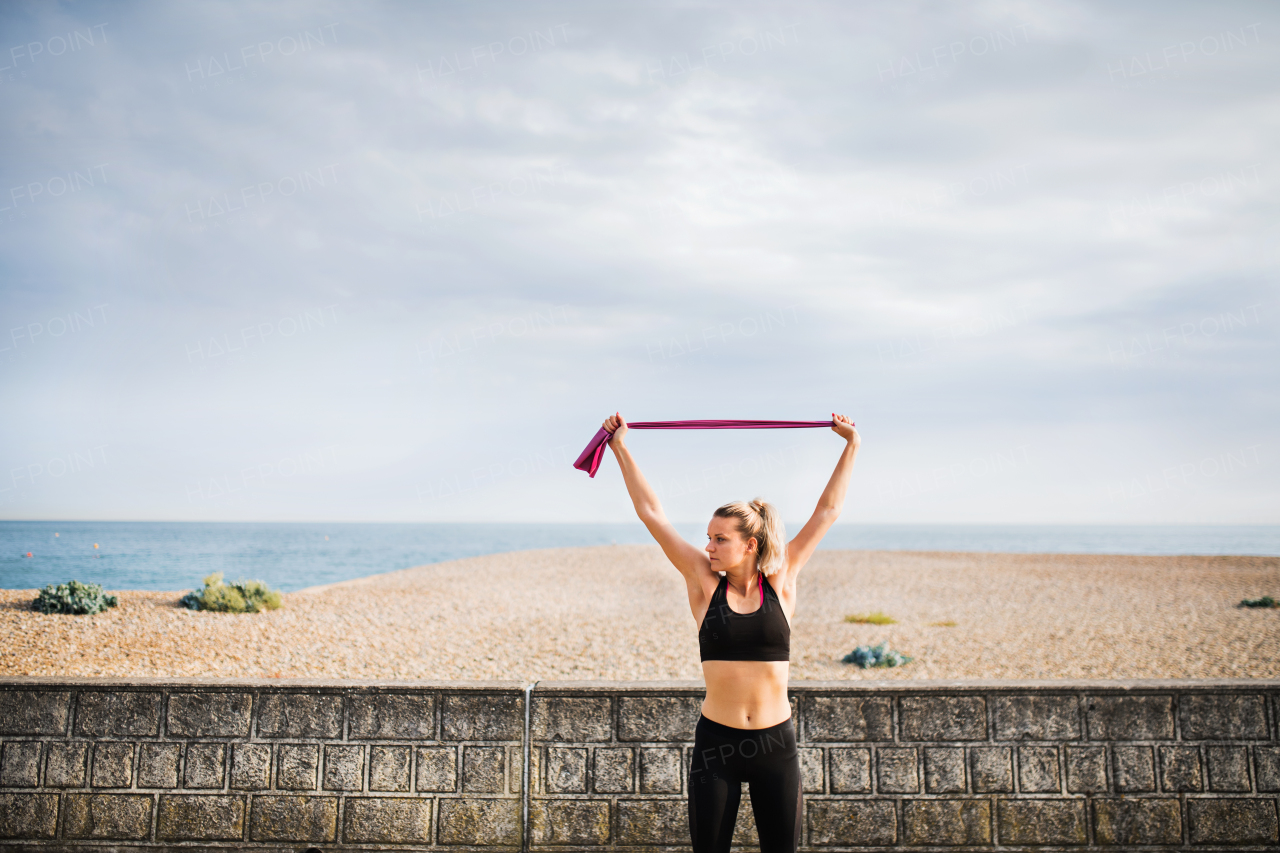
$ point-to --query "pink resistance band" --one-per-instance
(589, 461)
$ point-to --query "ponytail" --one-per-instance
(760, 519)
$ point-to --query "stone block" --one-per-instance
(991, 768)
(1130, 717)
(493, 716)
(1037, 717)
(944, 770)
(1038, 769)
(661, 771)
(1229, 716)
(571, 719)
(569, 822)
(851, 823)
(897, 771)
(484, 769)
(1134, 769)
(1268, 767)
(112, 765)
(1228, 768)
(744, 827)
(657, 719)
(811, 770)
(389, 768)
(293, 818)
(204, 765)
(200, 817)
(28, 816)
(343, 768)
(437, 769)
(478, 822)
(612, 770)
(566, 770)
(1086, 769)
(1058, 822)
(1237, 820)
(300, 715)
(20, 764)
(952, 823)
(250, 766)
(386, 820)
(34, 712)
(297, 766)
(1135, 821)
(934, 718)
(66, 765)
(118, 714)
(209, 714)
(836, 719)
(158, 764)
(392, 716)
(116, 817)
(850, 770)
(1180, 769)
(651, 822)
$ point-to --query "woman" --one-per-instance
(745, 732)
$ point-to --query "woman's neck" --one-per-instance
(743, 578)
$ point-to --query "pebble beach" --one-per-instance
(620, 613)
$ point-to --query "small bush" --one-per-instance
(1265, 601)
(239, 597)
(945, 623)
(73, 597)
(876, 656)
(876, 618)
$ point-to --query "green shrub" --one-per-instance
(876, 618)
(1265, 601)
(876, 656)
(239, 597)
(73, 597)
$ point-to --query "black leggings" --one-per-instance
(724, 758)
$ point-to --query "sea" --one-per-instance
(291, 556)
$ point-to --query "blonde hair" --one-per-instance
(760, 519)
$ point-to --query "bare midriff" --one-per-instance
(746, 694)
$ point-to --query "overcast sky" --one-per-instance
(396, 261)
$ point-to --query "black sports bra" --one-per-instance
(728, 635)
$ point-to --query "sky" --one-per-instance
(324, 261)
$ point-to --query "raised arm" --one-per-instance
(689, 560)
(801, 548)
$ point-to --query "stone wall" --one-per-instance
(286, 765)
(264, 764)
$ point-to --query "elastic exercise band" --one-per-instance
(589, 461)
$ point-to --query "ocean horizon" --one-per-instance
(165, 555)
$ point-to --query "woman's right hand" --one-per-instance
(617, 426)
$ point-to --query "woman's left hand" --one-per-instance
(843, 427)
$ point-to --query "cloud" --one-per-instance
(969, 227)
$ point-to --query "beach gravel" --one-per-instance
(621, 613)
